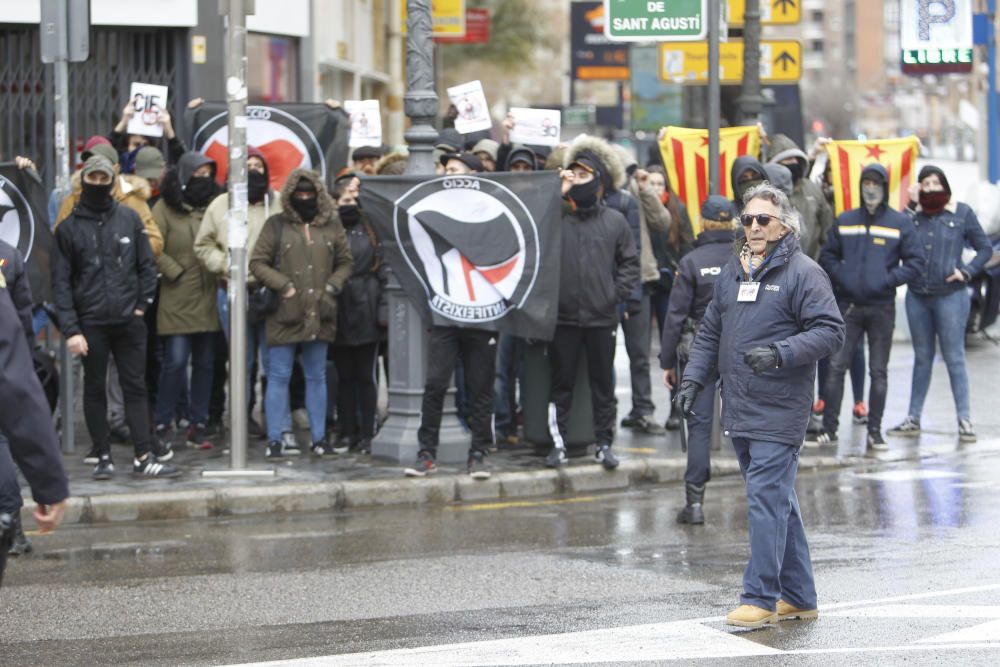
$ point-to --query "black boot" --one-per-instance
(692, 512)
(20, 544)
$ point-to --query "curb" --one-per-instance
(247, 500)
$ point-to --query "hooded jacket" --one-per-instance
(795, 310)
(868, 256)
(16, 279)
(807, 198)
(361, 305)
(211, 244)
(102, 268)
(130, 190)
(945, 235)
(741, 164)
(315, 259)
(694, 285)
(187, 290)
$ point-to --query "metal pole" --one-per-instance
(67, 412)
(991, 95)
(750, 100)
(236, 97)
(714, 111)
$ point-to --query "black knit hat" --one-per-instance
(591, 162)
(931, 169)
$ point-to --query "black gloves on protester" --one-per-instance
(761, 359)
(686, 395)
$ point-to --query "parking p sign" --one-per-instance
(655, 20)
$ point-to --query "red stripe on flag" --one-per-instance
(741, 148)
(701, 172)
(845, 178)
(681, 185)
(905, 176)
(723, 177)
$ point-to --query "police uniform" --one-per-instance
(692, 291)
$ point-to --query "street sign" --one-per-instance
(772, 12)
(477, 28)
(593, 57)
(656, 20)
(447, 18)
(780, 62)
(936, 61)
(935, 37)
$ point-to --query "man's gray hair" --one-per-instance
(786, 212)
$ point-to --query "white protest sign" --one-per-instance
(538, 127)
(366, 123)
(473, 114)
(148, 99)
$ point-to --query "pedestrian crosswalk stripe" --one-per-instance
(984, 632)
(921, 611)
(908, 475)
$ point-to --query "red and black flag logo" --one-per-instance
(474, 251)
(310, 136)
(24, 225)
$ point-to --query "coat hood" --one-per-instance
(741, 164)
(391, 164)
(188, 164)
(554, 162)
(780, 177)
(327, 209)
(783, 148)
(879, 172)
(604, 152)
(931, 169)
(136, 185)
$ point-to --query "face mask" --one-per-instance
(96, 197)
(934, 201)
(349, 214)
(664, 197)
(584, 195)
(745, 186)
(796, 169)
(256, 186)
(199, 190)
(306, 208)
(872, 195)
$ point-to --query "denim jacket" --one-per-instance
(944, 236)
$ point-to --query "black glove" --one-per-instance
(761, 359)
(686, 396)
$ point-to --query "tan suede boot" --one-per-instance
(787, 611)
(749, 616)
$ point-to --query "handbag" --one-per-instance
(262, 300)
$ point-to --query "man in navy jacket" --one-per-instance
(869, 252)
(773, 316)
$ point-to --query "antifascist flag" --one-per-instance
(24, 224)
(685, 155)
(848, 158)
(479, 251)
(311, 136)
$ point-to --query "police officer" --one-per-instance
(26, 422)
(772, 317)
(692, 291)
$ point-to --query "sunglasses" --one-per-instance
(763, 219)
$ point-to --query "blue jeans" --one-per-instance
(278, 375)
(256, 340)
(941, 317)
(779, 565)
(199, 348)
(510, 360)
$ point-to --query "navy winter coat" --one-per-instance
(796, 311)
(697, 274)
(868, 256)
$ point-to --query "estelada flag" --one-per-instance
(24, 224)
(479, 251)
(310, 136)
(685, 155)
(848, 158)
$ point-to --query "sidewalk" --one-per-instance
(352, 481)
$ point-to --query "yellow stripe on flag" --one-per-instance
(685, 155)
(849, 158)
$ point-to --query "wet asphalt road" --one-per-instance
(906, 558)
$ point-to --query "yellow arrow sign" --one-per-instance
(687, 62)
(772, 12)
(447, 18)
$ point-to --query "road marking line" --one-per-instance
(638, 450)
(516, 504)
(915, 596)
(984, 632)
(922, 611)
(908, 475)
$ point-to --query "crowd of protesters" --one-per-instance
(140, 264)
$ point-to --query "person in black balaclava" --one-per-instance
(599, 270)
(187, 318)
(747, 172)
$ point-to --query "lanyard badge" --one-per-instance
(748, 288)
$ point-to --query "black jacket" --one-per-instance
(102, 268)
(361, 306)
(25, 419)
(796, 312)
(600, 267)
(12, 266)
(693, 288)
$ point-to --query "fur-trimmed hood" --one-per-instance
(604, 152)
(327, 209)
(389, 164)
